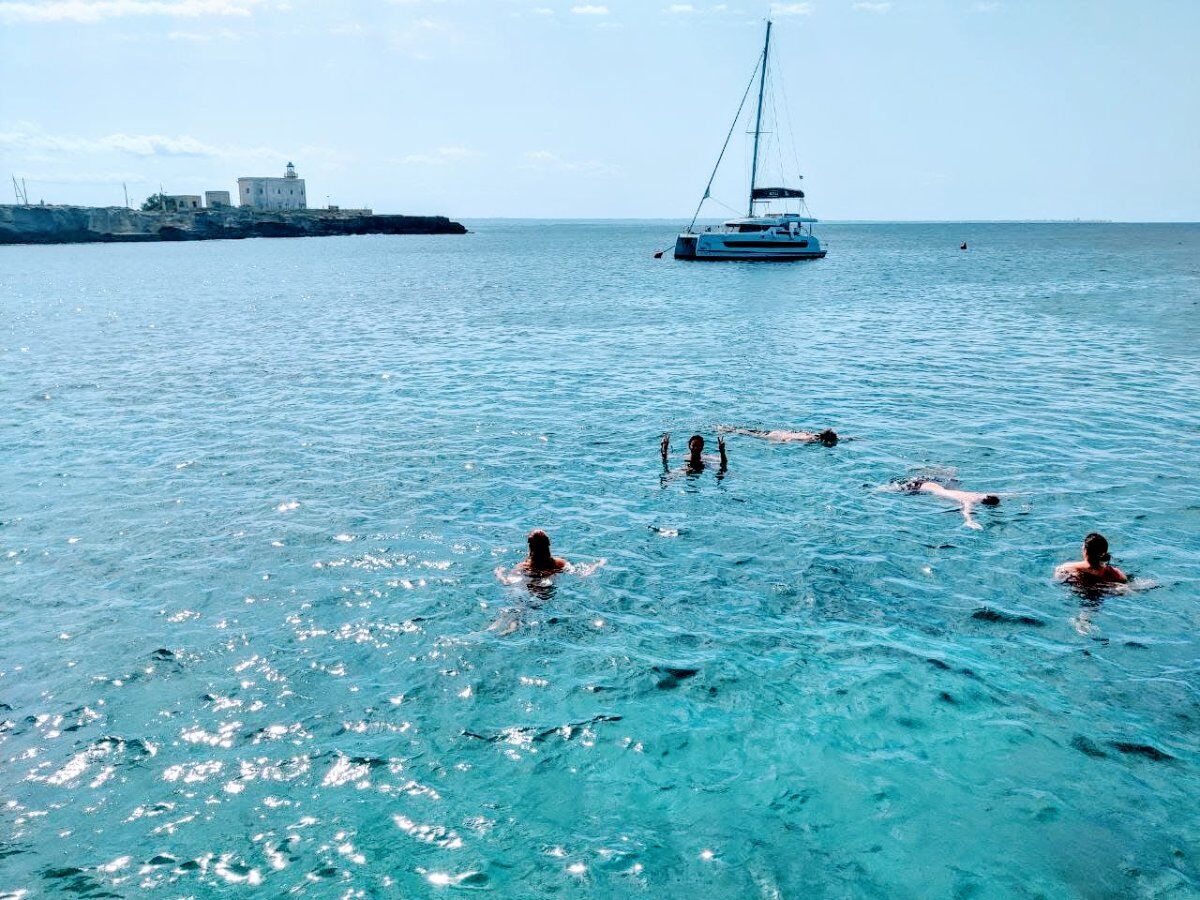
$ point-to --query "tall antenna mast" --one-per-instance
(762, 87)
(125, 188)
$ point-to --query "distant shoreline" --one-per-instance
(118, 225)
(676, 221)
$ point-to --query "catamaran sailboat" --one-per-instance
(763, 234)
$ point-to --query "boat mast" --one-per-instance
(762, 86)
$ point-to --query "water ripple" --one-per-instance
(252, 514)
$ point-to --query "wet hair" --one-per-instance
(539, 543)
(1095, 548)
(693, 439)
(828, 437)
(990, 500)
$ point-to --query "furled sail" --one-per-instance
(776, 193)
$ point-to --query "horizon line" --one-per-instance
(667, 219)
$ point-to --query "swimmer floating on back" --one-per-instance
(696, 461)
(965, 499)
(1095, 568)
(828, 437)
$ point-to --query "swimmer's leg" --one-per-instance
(749, 432)
(508, 622)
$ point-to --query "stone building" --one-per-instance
(180, 202)
(273, 193)
(216, 199)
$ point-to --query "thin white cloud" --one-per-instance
(90, 11)
(204, 37)
(692, 9)
(29, 139)
(880, 7)
(792, 9)
(545, 160)
(421, 37)
(588, 9)
(440, 157)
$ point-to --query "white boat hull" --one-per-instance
(717, 246)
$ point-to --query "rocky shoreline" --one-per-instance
(115, 224)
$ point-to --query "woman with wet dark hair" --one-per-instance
(540, 562)
(1095, 568)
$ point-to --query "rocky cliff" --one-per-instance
(97, 224)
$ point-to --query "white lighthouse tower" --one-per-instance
(274, 193)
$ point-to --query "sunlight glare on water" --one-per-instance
(255, 495)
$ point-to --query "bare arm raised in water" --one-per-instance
(696, 460)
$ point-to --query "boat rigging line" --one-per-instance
(725, 146)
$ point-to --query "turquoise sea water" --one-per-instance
(253, 496)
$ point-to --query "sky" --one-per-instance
(893, 109)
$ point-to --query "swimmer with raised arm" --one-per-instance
(828, 437)
(965, 499)
(1095, 568)
(696, 461)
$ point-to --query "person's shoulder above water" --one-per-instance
(1086, 574)
(550, 567)
(1095, 567)
(540, 561)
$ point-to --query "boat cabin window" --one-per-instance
(744, 229)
